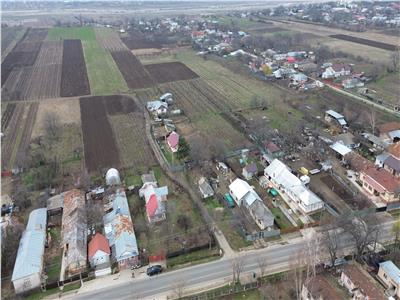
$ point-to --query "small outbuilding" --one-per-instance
(112, 177)
(205, 188)
(249, 171)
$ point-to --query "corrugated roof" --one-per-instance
(31, 246)
(334, 114)
(340, 148)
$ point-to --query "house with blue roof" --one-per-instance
(28, 267)
(119, 231)
(389, 275)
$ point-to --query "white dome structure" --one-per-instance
(112, 177)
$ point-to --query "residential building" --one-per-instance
(261, 214)
(380, 182)
(359, 284)
(389, 275)
(249, 171)
(155, 198)
(74, 232)
(119, 231)
(392, 164)
(273, 149)
(386, 128)
(394, 150)
(284, 180)
(319, 288)
(205, 188)
(173, 141)
(28, 267)
(331, 115)
(98, 250)
(350, 83)
(336, 70)
(157, 107)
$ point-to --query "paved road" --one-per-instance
(278, 258)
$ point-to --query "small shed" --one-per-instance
(249, 171)
(205, 188)
(112, 177)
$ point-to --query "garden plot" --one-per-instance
(168, 72)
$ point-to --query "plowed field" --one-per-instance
(171, 71)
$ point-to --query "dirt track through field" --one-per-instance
(376, 44)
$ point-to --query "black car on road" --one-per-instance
(153, 270)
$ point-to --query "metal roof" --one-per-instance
(334, 114)
(31, 246)
(391, 270)
(340, 148)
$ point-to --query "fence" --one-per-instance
(262, 234)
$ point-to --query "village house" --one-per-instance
(157, 107)
(380, 182)
(391, 164)
(336, 70)
(394, 150)
(350, 83)
(386, 128)
(155, 198)
(99, 254)
(284, 180)
(359, 284)
(119, 231)
(249, 171)
(205, 188)
(318, 288)
(244, 195)
(389, 275)
(331, 115)
(28, 267)
(173, 141)
(273, 150)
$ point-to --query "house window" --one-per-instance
(384, 275)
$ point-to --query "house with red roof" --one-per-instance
(99, 250)
(379, 182)
(173, 141)
(155, 198)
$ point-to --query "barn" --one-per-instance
(29, 262)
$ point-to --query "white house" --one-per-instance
(99, 255)
(336, 70)
(389, 275)
(279, 174)
(157, 107)
(28, 267)
(242, 193)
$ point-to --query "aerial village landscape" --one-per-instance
(170, 151)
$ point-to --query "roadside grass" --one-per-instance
(64, 33)
(387, 87)
(47, 293)
(103, 73)
(280, 218)
(192, 258)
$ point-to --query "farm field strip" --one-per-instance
(168, 72)
(9, 38)
(109, 39)
(74, 80)
(137, 40)
(7, 115)
(132, 70)
(71, 33)
(99, 142)
(358, 40)
(104, 75)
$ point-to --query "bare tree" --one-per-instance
(237, 264)
(296, 266)
(311, 253)
(179, 287)
(331, 243)
(372, 120)
(396, 246)
(52, 126)
(262, 264)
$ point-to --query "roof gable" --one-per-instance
(98, 242)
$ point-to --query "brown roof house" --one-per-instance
(359, 284)
(319, 288)
(379, 182)
(273, 149)
(249, 171)
(74, 232)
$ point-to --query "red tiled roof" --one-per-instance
(98, 242)
(173, 139)
(152, 205)
(272, 147)
(382, 180)
(395, 150)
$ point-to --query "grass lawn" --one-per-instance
(193, 258)
(53, 271)
(212, 203)
(64, 33)
(280, 218)
(248, 295)
(104, 75)
(67, 288)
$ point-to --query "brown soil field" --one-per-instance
(35, 35)
(7, 115)
(362, 41)
(40, 81)
(168, 72)
(117, 104)
(74, 79)
(100, 146)
(137, 40)
(67, 111)
(132, 70)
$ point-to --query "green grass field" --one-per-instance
(103, 73)
(79, 33)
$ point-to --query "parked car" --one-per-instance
(153, 270)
